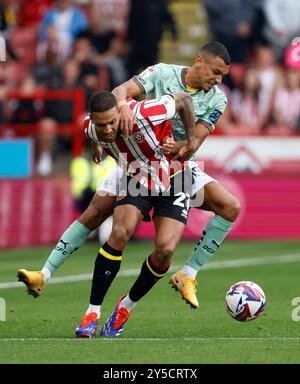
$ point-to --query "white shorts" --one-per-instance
(111, 185)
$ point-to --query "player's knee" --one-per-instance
(119, 236)
(232, 210)
(164, 253)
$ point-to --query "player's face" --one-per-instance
(107, 124)
(209, 71)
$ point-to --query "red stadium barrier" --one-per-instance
(270, 208)
(74, 128)
(35, 212)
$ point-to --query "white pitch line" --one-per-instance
(237, 263)
(290, 258)
(156, 339)
(76, 278)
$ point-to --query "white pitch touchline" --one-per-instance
(291, 258)
(116, 339)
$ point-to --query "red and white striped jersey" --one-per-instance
(140, 153)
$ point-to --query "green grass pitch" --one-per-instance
(162, 328)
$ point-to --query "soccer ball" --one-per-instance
(245, 301)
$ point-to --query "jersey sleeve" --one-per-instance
(157, 110)
(89, 129)
(212, 115)
(148, 77)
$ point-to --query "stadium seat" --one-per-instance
(23, 42)
(103, 79)
(237, 72)
(31, 12)
(236, 130)
(281, 130)
(16, 71)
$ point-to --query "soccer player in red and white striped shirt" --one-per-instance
(141, 150)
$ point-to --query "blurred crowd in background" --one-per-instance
(98, 44)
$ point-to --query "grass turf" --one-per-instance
(162, 329)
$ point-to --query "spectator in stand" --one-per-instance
(86, 57)
(56, 112)
(269, 74)
(52, 49)
(31, 12)
(25, 111)
(49, 57)
(7, 22)
(247, 106)
(258, 25)
(110, 48)
(230, 23)
(282, 24)
(147, 20)
(286, 111)
(67, 19)
(3, 98)
(115, 14)
(8, 11)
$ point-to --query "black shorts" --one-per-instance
(175, 207)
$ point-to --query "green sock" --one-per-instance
(71, 240)
(213, 235)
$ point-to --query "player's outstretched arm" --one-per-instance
(128, 89)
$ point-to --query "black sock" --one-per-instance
(150, 274)
(106, 267)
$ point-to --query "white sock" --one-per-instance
(128, 303)
(47, 274)
(94, 308)
(189, 271)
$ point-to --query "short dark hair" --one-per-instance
(216, 49)
(102, 101)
